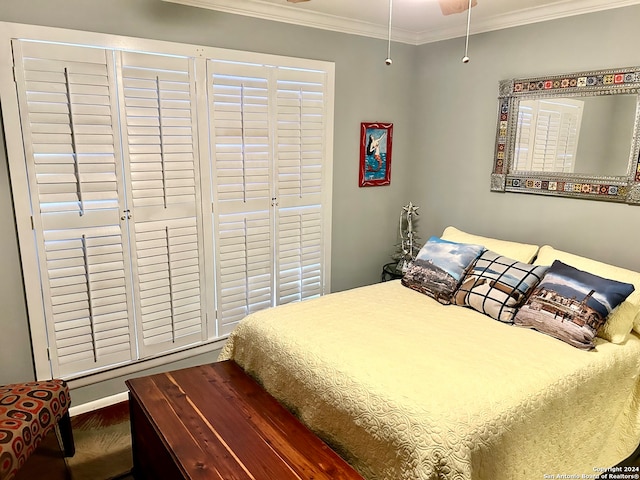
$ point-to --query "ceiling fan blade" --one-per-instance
(449, 7)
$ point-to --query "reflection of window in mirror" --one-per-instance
(547, 135)
(544, 145)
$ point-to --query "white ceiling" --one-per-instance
(413, 21)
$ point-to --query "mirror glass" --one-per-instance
(584, 135)
(570, 135)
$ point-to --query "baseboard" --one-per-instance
(100, 403)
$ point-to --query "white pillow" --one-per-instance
(522, 252)
(621, 319)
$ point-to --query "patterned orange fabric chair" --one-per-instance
(28, 411)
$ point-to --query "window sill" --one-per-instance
(132, 368)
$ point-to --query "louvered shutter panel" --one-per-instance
(244, 282)
(300, 156)
(112, 164)
(568, 133)
(556, 140)
(68, 107)
(522, 154)
(546, 141)
(549, 131)
(160, 137)
(239, 113)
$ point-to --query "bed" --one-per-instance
(405, 387)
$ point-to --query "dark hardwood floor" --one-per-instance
(47, 463)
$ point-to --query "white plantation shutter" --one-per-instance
(245, 273)
(160, 131)
(168, 287)
(239, 110)
(300, 156)
(68, 106)
(556, 140)
(160, 136)
(87, 284)
(299, 253)
(268, 127)
(161, 187)
(548, 132)
(524, 143)
(240, 118)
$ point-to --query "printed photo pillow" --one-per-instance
(571, 305)
(497, 285)
(439, 267)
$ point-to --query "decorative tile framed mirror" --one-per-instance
(573, 135)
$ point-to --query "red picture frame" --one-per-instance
(376, 140)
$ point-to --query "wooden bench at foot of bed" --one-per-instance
(215, 422)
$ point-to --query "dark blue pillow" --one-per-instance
(571, 305)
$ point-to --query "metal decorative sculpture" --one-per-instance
(408, 246)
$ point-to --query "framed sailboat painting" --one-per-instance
(376, 140)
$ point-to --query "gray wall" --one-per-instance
(15, 348)
(455, 117)
(605, 135)
(444, 116)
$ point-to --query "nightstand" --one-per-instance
(390, 272)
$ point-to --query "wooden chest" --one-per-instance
(215, 422)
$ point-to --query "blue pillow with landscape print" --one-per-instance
(439, 267)
(571, 305)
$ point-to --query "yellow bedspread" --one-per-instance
(406, 388)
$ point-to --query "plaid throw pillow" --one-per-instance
(498, 285)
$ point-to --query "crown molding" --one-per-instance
(305, 18)
(566, 8)
(314, 19)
